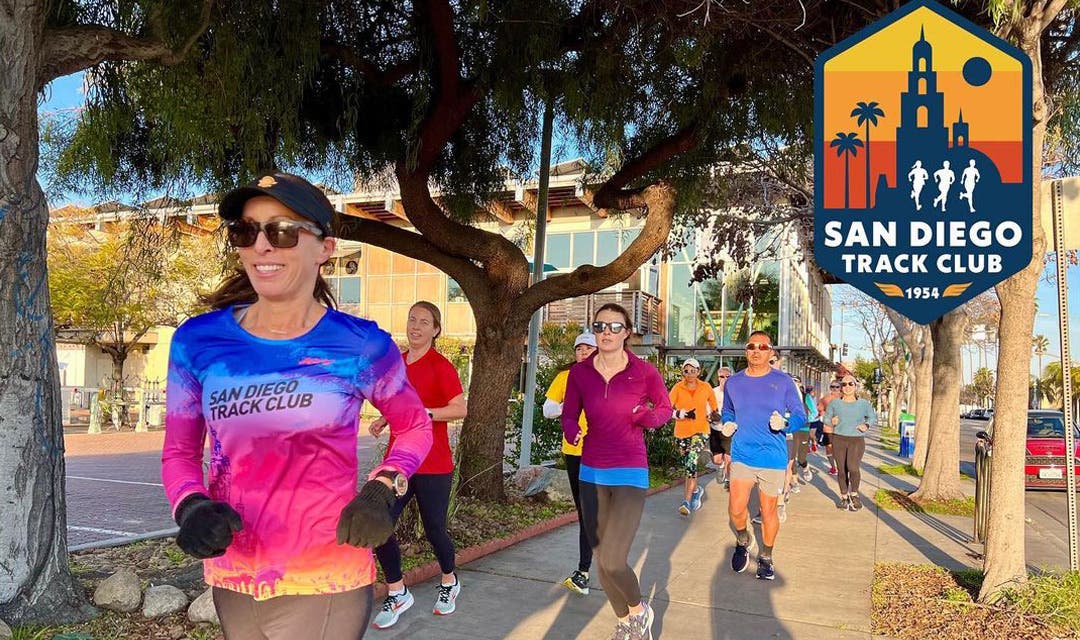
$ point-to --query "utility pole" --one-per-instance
(537, 275)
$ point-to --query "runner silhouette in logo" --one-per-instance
(918, 178)
(968, 178)
(944, 177)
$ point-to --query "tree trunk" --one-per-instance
(923, 365)
(119, 357)
(1004, 562)
(496, 364)
(941, 476)
(35, 584)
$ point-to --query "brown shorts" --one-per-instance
(769, 481)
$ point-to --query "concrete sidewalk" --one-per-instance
(824, 562)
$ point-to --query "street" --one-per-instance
(1045, 508)
(120, 495)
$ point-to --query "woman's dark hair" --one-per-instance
(237, 289)
(617, 308)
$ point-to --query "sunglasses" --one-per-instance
(757, 346)
(834, 386)
(281, 234)
(847, 384)
(690, 370)
(614, 327)
(723, 376)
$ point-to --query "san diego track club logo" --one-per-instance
(922, 160)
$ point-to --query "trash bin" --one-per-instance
(907, 436)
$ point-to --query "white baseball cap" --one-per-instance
(585, 338)
(692, 362)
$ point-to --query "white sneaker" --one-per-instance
(392, 608)
(807, 475)
(446, 601)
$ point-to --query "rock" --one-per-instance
(5, 631)
(119, 592)
(163, 600)
(202, 609)
(560, 483)
(533, 480)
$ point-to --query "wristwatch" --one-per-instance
(399, 482)
(430, 414)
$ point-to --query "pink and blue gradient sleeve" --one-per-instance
(185, 431)
(387, 387)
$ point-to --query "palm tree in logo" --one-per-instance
(867, 114)
(847, 145)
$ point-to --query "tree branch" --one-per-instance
(414, 246)
(67, 50)
(369, 69)
(659, 199)
(613, 195)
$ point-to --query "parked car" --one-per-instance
(1044, 463)
(980, 414)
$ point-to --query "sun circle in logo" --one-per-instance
(977, 71)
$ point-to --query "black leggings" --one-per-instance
(432, 493)
(337, 616)
(848, 451)
(612, 516)
(573, 470)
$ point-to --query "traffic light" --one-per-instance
(844, 350)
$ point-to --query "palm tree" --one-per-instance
(1039, 345)
(867, 114)
(847, 145)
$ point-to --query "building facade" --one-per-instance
(673, 316)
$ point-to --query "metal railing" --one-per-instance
(984, 448)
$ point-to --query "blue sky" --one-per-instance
(67, 93)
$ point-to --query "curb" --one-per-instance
(426, 572)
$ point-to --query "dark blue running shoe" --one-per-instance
(741, 558)
(765, 569)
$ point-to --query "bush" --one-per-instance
(547, 433)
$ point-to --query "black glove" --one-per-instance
(691, 414)
(714, 417)
(366, 521)
(206, 526)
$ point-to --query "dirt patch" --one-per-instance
(898, 500)
(916, 602)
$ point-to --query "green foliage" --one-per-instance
(547, 432)
(1050, 384)
(982, 384)
(1053, 596)
(557, 341)
(898, 470)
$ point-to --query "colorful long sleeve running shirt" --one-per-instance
(282, 416)
(749, 402)
(614, 453)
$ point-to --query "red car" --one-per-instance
(1044, 464)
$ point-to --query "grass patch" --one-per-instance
(1053, 596)
(916, 602)
(177, 556)
(899, 501)
(899, 470)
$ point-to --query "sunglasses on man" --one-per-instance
(614, 327)
(281, 234)
(834, 386)
(757, 346)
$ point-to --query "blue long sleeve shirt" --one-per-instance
(749, 402)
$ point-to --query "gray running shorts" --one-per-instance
(769, 481)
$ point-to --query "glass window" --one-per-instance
(607, 247)
(680, 325)
(583, 248)
(349, 290)
(628, 236)
(454, 293)
(557, 250)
